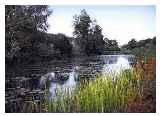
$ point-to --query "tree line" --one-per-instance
(26, 35)
(145, 47)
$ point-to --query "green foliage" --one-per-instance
(111, 46)
(26, 28)
(132, 90)
(88, 34)
(141, 48)
(21, 22)
(132, 44)
(95, 41)
(60, 42)
(81, 24)
(104, 94)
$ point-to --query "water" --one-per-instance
(122, 63)
(59, 74)
(104, 64)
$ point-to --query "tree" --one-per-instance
(96, 40)
(81, 25)
(63, 44)
(111, 46)
(88, 34)
(145, 47)
(154, 40)
(21, 23)
(132, 43)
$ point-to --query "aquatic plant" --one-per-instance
(132, 90)
(104, 94)
(122, 93)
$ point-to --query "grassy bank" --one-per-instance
(132, 90)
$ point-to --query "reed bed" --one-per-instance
(133, 90)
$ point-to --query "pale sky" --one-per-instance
(118, 22)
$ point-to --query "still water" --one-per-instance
(88, 68)
(23, 80)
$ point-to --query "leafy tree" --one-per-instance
(81, 24)
(21, 23)
(81, 29)
(145, 47)
(154, 40)
(132, 43)
(62, 43)
(88, 34)
(111, 46)
(96, 40)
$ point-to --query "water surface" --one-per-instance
(30, 79)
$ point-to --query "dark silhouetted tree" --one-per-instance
(88, 34)
(132, 43)
(21, 23)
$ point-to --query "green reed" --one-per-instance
(103, 94)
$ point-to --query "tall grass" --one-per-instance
(124, 93)
(104, 94)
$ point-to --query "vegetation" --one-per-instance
(26, 39)
(145, 48)
(111, 47)
(88, 34)
(22, 22)
(132, 90)
(60, 42)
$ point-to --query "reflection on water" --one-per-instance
(122, 63)
(70, 83)
(111, 64)
(26, 82)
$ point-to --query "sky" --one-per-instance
(118, 22)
